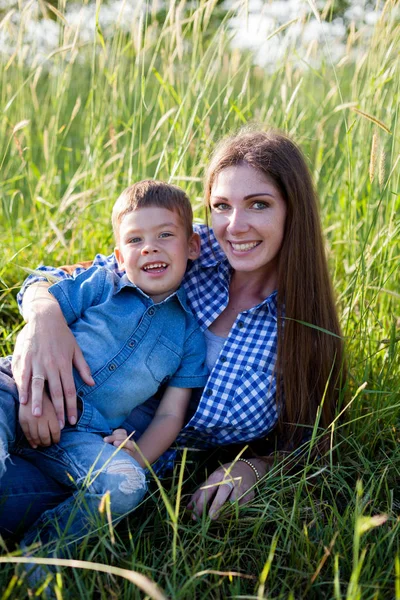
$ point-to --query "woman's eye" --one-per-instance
(260, 205)
(220, 206)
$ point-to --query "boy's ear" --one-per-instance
(119, 257)
(194, 246)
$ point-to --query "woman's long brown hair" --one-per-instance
(310, 363)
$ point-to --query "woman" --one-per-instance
(262, 294)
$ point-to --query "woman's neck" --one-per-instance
(245, 291)
(252, 286)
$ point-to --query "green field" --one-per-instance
(81, 123)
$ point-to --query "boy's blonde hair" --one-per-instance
(152, 193)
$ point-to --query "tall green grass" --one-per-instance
(80, 125)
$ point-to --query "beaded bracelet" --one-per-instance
(251, 466)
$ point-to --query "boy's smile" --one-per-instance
(155, 267)
(154, 249)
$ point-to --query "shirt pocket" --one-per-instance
(163, 359)
(253, 405)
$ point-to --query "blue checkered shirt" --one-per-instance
(238, 403)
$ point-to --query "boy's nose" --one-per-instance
(149, 249)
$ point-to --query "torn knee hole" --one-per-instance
(133, 477)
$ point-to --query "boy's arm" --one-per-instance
(163, 429)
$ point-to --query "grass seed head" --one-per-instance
(372, 160)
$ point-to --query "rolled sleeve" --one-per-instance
(42, 273)
(53, 274)
(192, 372)
(75, 296)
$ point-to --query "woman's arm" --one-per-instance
(46, 350)
(45, 346)
(228, 483)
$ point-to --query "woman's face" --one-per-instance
(248, 218)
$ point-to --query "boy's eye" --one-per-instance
(165, 234)
(135, 240)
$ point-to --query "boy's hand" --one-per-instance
(117, 437)
(43, 430)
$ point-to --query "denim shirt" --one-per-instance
(131, 344)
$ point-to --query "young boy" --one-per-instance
(137, 335)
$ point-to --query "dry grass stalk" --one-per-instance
(381, 168)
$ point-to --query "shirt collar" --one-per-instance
(211, 253)
(180, 294)
(269, 304)
(272, 302)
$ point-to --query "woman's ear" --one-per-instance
(194, 246)
(119, 257)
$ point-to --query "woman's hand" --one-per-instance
(46, 350)
(227, 484)
(119, 436)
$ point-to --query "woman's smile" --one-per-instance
(243, 246)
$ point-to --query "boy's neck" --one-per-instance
(157, 298)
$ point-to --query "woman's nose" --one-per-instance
(238, 222)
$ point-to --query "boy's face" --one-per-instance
(154, 249)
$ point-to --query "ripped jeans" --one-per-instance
(98, 474)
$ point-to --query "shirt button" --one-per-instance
(112, 367)
(131, 343)
(151, 311)
(240, 324)
(223, 359)
(208, 392)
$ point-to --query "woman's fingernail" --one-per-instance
(61, 424)
(72, 420)
(22, 400)
(36, 412)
